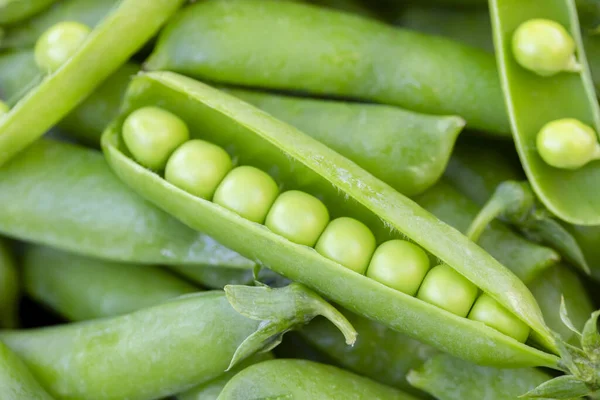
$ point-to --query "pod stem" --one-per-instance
(279, 311)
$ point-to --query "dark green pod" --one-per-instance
(70, 199)
(361, 59)
(304, 380)
(299, 162)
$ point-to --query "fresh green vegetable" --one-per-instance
(567, 143)
(59, 43)
(15, 379)
(15, 11)
(9, 288)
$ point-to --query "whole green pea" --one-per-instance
(299, 217)
(152, 134)
(57, 44)
(348, 242)
(198, 167)
(491, 313)
(247, 191)
(544, 47)
(567, 143)
(399, 264)
(447, 289)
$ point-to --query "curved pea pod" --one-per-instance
(101, 54)
(70, 199)
(301, 379)
(163, 349)
(449, 378)
(81, 288)
(299, 162)
(9, 288)
(379, 353)
(387, 141)
(361, 58)
(87, 12)
(12, 11)
(570, 194)
(16, 380)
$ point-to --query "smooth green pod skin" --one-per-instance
(179, 343)
(56, 279)
(448, 378)
(59, 43)
(3, 108)
(304, 380)
(70, 199)
(298, 217)
(247, 191)
(87, 12)
(400, 265)
(568, 194)
(13, 11)
(198, 167)
(152, 135)
(588, 238)
(361, 58)
(387, 141)
(9, 288)
(101, 55)
(348, 242)
(16, 380)
(18, 72)
(300, 162)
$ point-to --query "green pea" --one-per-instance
(152, 134)
(400, 265)
(348, 242)
(488, 311)
(447, 289)
(198, 167)
(298, 217)
(58, 44)
(544, 47)
(247, 191)
(567, 143)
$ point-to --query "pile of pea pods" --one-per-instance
(299, 199)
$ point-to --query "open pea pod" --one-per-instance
(102, 53)
(569, 192)
(299, 162)
(69, 198)
(13, 11)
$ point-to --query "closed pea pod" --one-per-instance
(12, 12)
(299, 163)
(16, 380)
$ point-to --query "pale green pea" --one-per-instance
(544, 47)
(299, 217)
(449, 290)
(198, 167)
(567, 143)
(57, 44)
(348, 242)
(399, 264)
(488, 311)
(247, 191)
(152, 134)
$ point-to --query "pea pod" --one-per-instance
(362, 59)
(13, 11)
(70, 199)
(299, 162)
(300, 379)
(9, 288)
(567, 193)
(102, 53)
(182, 342)
(16, 380)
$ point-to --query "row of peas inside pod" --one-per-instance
(160, 140)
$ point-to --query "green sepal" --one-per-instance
(280, 310)
(590, 340)
(563, 387)
(515, 203)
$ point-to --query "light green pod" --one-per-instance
(9, 288)
(70, 199)
(299, 162)
(304, 380)
(15, 11)
(16, 380)
(361, 59)
(80, 288)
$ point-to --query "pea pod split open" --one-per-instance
(299, 162)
